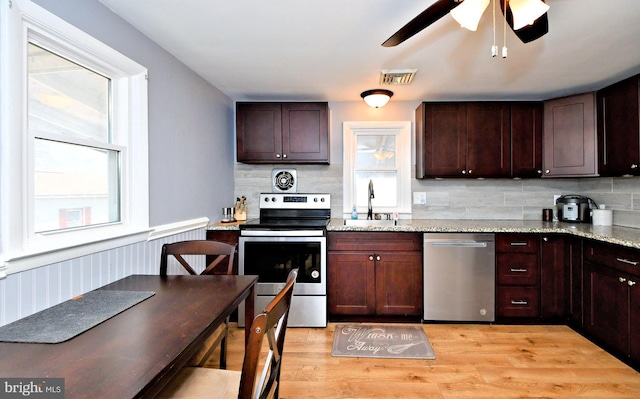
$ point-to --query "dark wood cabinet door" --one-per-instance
(228, 237)
(282, 132)
(259, 132)
(351, 285)
(441, 140)
(488, 140)
(573, 280)
(570, 136)
(619, 128)
(399, 283)
(606, 307)
(552, 275)
(305, 135)
(526, 139)
(634, 319)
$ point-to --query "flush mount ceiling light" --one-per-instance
(376, 98)
(525, 12)
(469, 12)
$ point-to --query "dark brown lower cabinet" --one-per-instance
(612, 297)
(573, 281)
(517, 276)
(606, 305)
(374, 274)
(552, 276)
(634, 321)
(228, 237)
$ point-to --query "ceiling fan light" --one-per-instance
(525, 12)
(468, 13)
(376, 98)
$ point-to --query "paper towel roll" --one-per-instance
(602, 217)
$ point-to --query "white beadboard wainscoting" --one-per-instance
(28, 292)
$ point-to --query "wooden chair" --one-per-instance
(195, 382)
(221, 256)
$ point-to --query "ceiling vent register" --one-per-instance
(397, 76)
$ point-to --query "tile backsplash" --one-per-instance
(460, 198)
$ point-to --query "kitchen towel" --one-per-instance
(64, 321)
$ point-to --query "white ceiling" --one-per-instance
(330, 50)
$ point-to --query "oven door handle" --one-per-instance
(282, 233)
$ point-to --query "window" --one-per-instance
(380, 153)
(75, 164)
(74, 168)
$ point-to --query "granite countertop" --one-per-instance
(625, 236)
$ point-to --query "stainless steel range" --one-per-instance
(290, 233)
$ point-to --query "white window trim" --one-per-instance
(19, 20)
(402, 129)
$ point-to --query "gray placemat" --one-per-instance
(64, 321)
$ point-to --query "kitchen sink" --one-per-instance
(366, 223)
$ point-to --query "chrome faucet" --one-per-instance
(370, 196)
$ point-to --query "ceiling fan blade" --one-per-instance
(436, 11)
(529, 33)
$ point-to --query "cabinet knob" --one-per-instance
(284, 155)
(370, 257)
(622, 279)
(277, 155)
(547, 171)
(631, 283)
(464, 172)
(470, 171)
(540, 171)
(634, 166)
(377, 257)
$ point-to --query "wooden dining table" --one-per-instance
(135, 353)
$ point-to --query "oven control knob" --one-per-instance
(315, 274)
(273, 199)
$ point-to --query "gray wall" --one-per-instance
(191, 158)
(191, 123)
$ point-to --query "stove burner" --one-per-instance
(284, 180)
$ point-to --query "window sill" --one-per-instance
(23, 261)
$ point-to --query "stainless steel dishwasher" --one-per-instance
(459, 277)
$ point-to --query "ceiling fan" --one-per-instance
(440, 8)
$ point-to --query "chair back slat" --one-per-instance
(220, 252)
(273, 323)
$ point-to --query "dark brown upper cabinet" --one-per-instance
(468, 139)
(526, 139)
(282, 133)
(570, 136)
(619, 128)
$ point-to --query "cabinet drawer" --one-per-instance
(374, 241)
(518, 302)
(617, 257)
(517, 243)
(517, 269)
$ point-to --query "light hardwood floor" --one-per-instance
(473, 361)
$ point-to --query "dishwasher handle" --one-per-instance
(459, 244)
